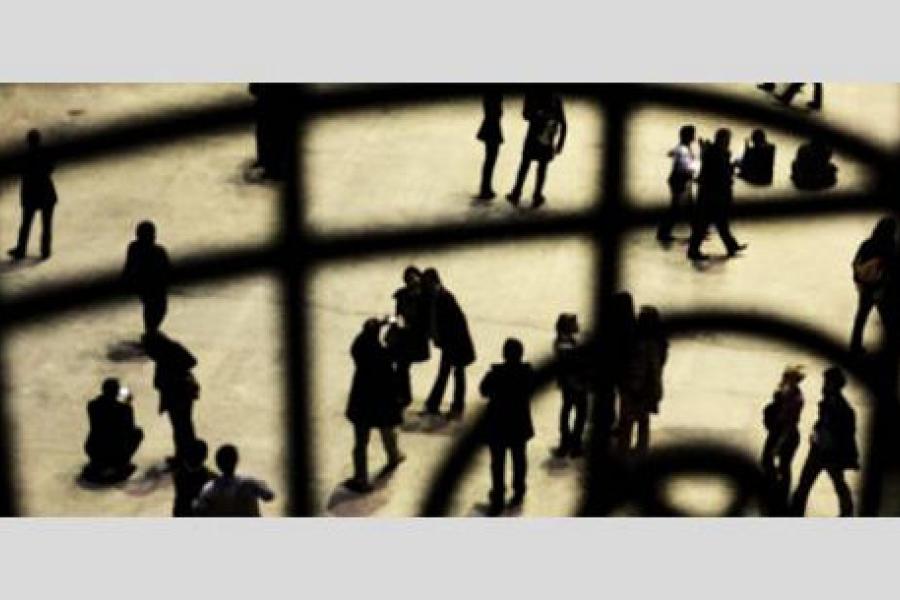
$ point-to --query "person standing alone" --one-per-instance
(38, 194)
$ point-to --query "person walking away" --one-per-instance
(508, 387)
(373, 403)
(872, 265)
(37, 194)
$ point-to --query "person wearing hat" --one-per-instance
(832, 446)
(781, 418)
(573, 385)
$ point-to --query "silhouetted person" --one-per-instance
(491, 135)
(573, 384)
(113, 437)
(146, 272)
(508, 387)
(684, 170)
(275, 103)
(545, 139)
(410, 335)
(189, 476)
(872, 266)
(178, 389)
(38, 194)
(781, 418)
(787, 96)
(642, 381)
(230, 495)
(832, 446)
(450, 332)
(758, 162)
(812, 169)
(714, 196)
(768, 87)
(373, 403)
(617, 350)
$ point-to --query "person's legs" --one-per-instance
(360, 459)
(643, 433)
(864, 305)
(626, 427)
(46, 231)
(792, 90)
(816, 103)
(811, 470)
(24, 232)
(459, 390)
(699, 227)
(182, 425)
(580, 402)
(404, 383)
(433, 403)
(155, 306)
(516, 192)
(664, 231)
(391, 445)
(539, 183)
(491, 151)
(845, 498)
(498, 486)
(520, 472)
(565, 434)
(724, 228)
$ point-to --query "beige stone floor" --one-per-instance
(396, 167)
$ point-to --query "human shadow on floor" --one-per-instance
(344, 502)
(715, 262)
(155, 477)
(87, 480)
(480, 509)
(126, 351)
(10, 266)
(440, 425)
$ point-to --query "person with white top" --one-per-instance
(684, 170)
(230, 495)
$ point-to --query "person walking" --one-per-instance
(508, 386)
(146, 272)
(681, 176)
(37, 194)
(781, 418)
(787, 96)
(872, 266)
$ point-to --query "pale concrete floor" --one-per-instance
(393, 168)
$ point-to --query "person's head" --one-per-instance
(567, 324)
(196, 454)
(686, 134)
(412, 276)
(723, 138)
(33, 137)
(758, 137)
(885, 229)
(372, 326)
(513, 351)
(648, 320)
(431, 280)
(835, 380)
(227, 459)
(145, 232)
(110, 387)
(793, 375)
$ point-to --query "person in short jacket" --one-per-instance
(491, 135)
(508, 386)
(37, 194)
(872, 266)
(781, 418)
(373, 402)
(832, 445)
(450, 332)
(410, 336)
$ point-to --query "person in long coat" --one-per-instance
(508, 387)
(832, 446)
(38, 194)
(146, 273)
(714, 196)
(491, 135)
(449, 332)
(872, 267)
(373, 403)
(178, 389)
(409, 337)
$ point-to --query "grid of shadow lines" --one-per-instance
(293, 252)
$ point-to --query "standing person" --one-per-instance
(410, 335)
(787, 96)
(189, 476)
(545, 139)
(642, 381)
(372, 403)
(178, 389)
(573, 385)
(275, 106)
(617, 353)
(450, 333)
(146, 272)
(684, 170)
(781, 418)
(230, 495)
(756, 165)
(872, 265)
(113, 437)
(508, 387)
(37, 194)
(714, 196)
(832, 446)
(491, 135)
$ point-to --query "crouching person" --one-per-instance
(508, 387)
(373, 403)
(113, 438)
